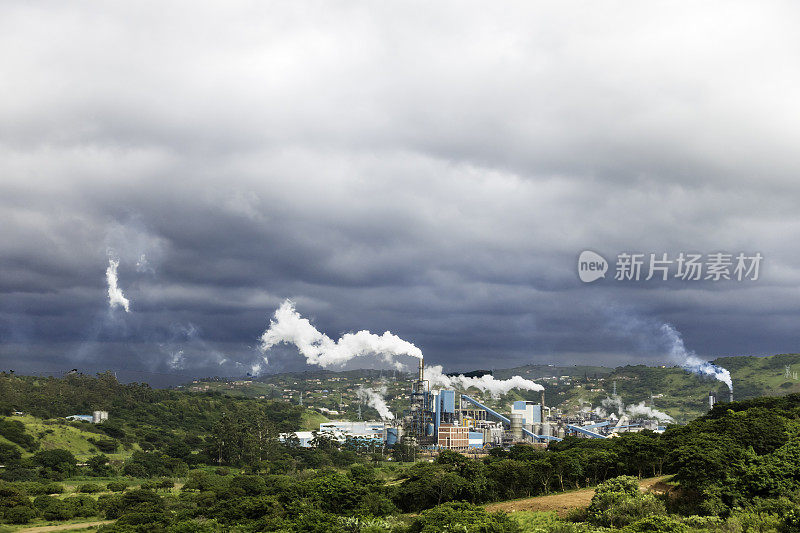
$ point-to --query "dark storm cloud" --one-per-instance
(430, 170)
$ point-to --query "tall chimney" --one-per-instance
(421, 369)
(542, 402)
(730, 397)
(711, 400)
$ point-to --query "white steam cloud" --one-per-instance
(287, 326)
(689, 360)
(634, 410)
(643, 411)
(374, 398)
(615, 404)
(115, 296)
(485, 383)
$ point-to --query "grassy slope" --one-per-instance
(60, 435)
(311, 420)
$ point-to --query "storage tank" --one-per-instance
(561, 432)
(392, 436)
(545, 429)
(516, 426)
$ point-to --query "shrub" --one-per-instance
(117, 486)
(82, 506)
(58, 510)
(21, 514)
(618, 502)
(36, 488)
(110, 505)
(658, 524)
(462, 516)
(43, 502)
(90, 488)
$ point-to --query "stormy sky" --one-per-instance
(429, 169)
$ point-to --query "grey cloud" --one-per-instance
(433, 170)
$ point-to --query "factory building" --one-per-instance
(445, 419)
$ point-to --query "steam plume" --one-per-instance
(288, 326)
(115, 296)
(642, 410)
(689, 360)
(634, 410)
(485, 383)
(375, 399)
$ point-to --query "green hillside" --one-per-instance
(682, 395)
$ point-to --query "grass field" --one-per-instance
(52, 434)
(562, 502)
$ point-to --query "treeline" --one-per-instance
(155, 419)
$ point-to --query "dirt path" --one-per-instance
(563, 502)
(64, 527)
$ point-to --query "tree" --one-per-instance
(56, 464)
(98, 466)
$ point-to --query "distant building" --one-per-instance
(304, 438)
(454, 437)
(364, 431)
(95, 418)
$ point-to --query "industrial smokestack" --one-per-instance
(421, 369)
(712, 399)
(730, 397)
(516, 426)
(542, 402)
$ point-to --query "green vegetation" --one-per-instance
(737, 468)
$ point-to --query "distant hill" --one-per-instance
(680, 394)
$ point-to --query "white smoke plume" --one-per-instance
(615, 404)
(288, 326)
(643, 411)
(115, 296)
(634, 410)
(485, 383)
(375, 399)
(689, 360)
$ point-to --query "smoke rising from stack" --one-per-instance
(375, 399)
(287, 326)
(689, 360)
(115, 296)
(634, 410)
(485, 383)
(642, 410)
